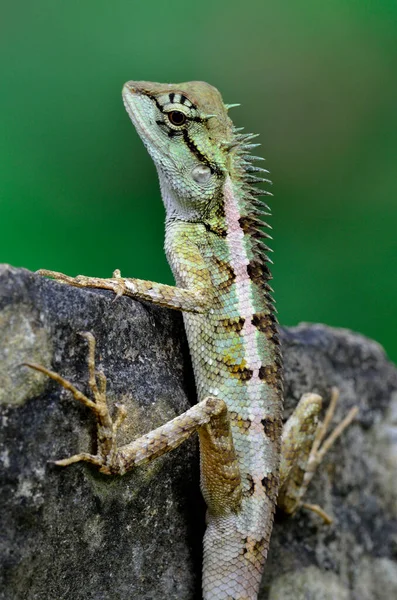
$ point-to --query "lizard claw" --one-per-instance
(107, 427)
(83, 456)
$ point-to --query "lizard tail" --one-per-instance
(233, 560)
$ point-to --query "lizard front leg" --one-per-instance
(158, 293)
(209, 417)
(195, 290)
(304, 447)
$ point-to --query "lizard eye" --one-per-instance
(177, 118)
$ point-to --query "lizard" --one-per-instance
(214, 245)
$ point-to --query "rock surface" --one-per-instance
(76, 534)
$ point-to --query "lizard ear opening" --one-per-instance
(201, 174)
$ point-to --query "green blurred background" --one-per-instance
(318, 81)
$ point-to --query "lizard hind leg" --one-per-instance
(210, 417)
(106, 426)
(304, 447)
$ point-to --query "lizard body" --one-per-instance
(234, 344)
(214, 247)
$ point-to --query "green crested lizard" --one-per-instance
(214, 246)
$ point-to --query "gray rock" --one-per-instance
(73, 533)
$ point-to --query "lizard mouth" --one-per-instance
(139, 107)
(132, 104)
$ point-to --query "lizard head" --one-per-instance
(186, 130)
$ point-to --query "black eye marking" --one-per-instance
(162, 124)
(177, 118)
(174, 133)
(202, 158)
(170, 132)
(171, 96)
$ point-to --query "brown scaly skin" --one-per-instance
(213, 244)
